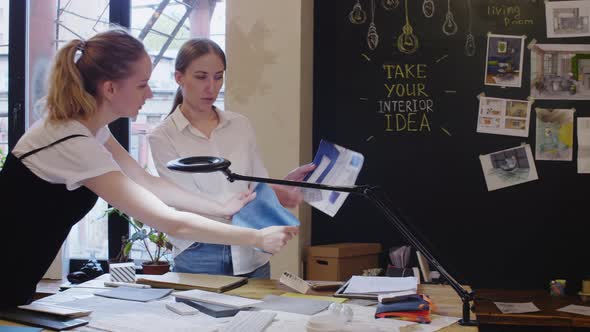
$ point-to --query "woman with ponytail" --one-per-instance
(69, 158)
(196, 127)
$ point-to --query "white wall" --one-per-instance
(269, 79)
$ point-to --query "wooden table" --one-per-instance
(488, 314)
(447, 303)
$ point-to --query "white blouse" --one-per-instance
(234, 140)
(69, 162)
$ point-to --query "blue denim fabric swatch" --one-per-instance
(265, 210)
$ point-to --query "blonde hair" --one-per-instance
(73, 83)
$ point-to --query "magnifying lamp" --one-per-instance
(203, 164)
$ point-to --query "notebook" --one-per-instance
(183, 281)
(28, 317)
(215, 298)
(56, 310)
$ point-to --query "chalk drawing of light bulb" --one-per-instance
(357, 14)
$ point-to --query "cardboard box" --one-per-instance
(340, 261)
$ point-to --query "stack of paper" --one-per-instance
(372, 287)
(380, 285)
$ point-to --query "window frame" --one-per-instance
(18, 26)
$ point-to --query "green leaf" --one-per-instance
(128, 247)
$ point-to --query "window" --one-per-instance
(4, 6)
(548, 64)
(163, 29)
(58, 22)
(75, 19)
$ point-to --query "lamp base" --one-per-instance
(469, 322)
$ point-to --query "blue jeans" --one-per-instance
(212, 259)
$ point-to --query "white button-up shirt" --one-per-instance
(234, 140)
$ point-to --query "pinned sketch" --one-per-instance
(508, 167)
(567, 18)
(555, 134)
(504, 116)
(560, 71)
(583, 145)
(504, 60)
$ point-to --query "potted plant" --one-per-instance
(144, 235)
(2, 158)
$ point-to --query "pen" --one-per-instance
(125, 284)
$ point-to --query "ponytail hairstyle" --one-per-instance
(191, 50)
(73, 84)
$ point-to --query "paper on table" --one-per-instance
(437, 323)
(135, 322)
(315, 297)
(136, 294)
(583, 145)
(290, 304)
(516, 308)
(337, 166)
(361, 284)
(576, 309)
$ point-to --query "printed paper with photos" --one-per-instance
(567, 18)
(560, 71)
(504, 59)
(508, 167)
(504, 116)
(555, 134)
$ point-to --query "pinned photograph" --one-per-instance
(504, 60)
(504, 116)
(567, 18)
(508, 167)
(555, 134)
(583, 145)
(560, 71)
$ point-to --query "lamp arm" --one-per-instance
(466, 297)
(352, 189)
(205, 164)
(369, 192)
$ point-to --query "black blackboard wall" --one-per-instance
(517, 237)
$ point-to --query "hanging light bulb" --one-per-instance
(450, 26)
(357, 14)
(407, 42)
(428, 8)
(372, 36)
(390, 4)
(469, 40)
(470, 45)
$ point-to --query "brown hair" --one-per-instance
(73, 84)
(191, 50)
